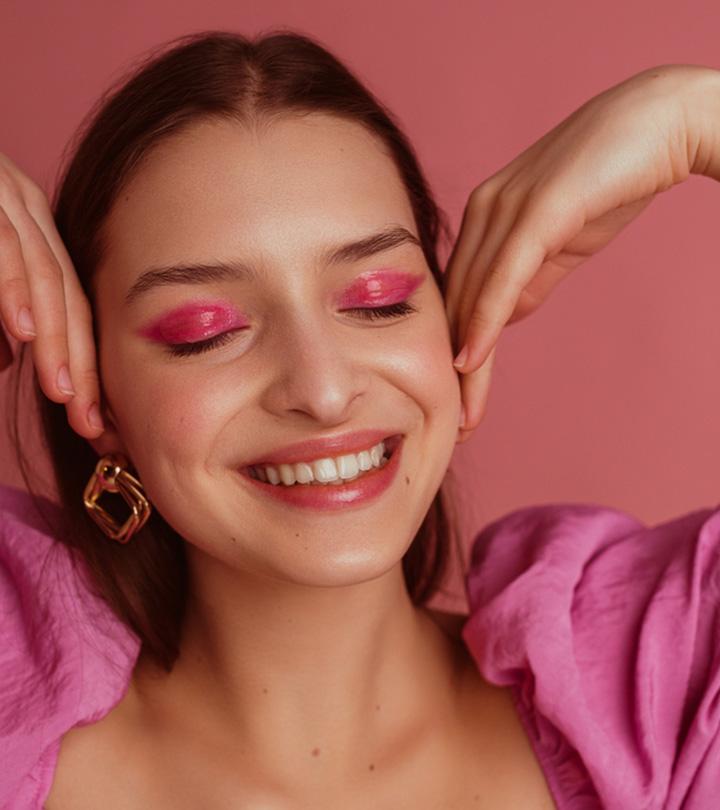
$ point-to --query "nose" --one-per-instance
(316, 371)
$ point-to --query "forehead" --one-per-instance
(283, 188)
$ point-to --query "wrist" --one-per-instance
(702, 117)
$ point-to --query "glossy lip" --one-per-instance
(330, 497)
(314, 449)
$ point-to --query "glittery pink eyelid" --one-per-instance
(378, 288)
(193, 322)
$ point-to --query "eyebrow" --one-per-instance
(233, 270)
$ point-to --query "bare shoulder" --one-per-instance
(493, 763)
(94, 762)
(502, 769)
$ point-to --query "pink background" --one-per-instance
(609, 393)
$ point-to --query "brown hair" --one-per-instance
(221, 75)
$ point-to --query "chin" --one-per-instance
(337, 570)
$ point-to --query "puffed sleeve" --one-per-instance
(65, 660)
(608, 633)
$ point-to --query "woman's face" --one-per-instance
(297, 358)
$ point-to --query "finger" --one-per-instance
(14, 290)
(47, 295)
(474, 220)
(84, 371)
(502, 220)
(84, 374)
(516, 263)
(81, 343)
(472, 229)
(475, 388)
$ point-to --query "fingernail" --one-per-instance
(459, 361)
(64, 382)
(463, 416)
(94, 416)
(25, 322)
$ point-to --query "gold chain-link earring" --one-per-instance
(110, 475)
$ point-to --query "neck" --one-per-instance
(333, 678)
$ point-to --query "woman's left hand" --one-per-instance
(566, 197)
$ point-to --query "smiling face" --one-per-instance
(286, 349)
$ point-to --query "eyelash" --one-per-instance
(367, 313)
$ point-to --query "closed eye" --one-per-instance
(368, 313)
(389, 311)
(186, 349)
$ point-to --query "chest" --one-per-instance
(484, 763)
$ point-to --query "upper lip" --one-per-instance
(313, 449)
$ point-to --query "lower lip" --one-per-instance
(335, 496)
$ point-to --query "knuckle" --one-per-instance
(496, 275)
(9, 237)
(89, 376)
(507, 198)
(481, 319)
(47, 268)
(34, 196)
(13, 286)
(480, 196)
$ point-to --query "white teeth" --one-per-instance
(287, 474)
(304, 473)
(324, 470)
(347, 466)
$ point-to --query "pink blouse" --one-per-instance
(607, 632)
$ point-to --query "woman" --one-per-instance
(253, 241)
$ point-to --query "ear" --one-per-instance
(109, 440)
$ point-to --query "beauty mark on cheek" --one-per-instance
(380, 288)
(193, 322)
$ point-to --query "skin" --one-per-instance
(306, 674)
(304, 367)
(523, 230)
(318, 598)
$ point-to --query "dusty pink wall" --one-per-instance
(608, 394)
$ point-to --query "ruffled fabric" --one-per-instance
(65, 659)
(608, 633)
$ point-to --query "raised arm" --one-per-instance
(566, 197)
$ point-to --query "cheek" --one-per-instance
(419, 365)
(438, 381)
(159, 412)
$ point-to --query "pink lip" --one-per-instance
(380, 287)
(329, 497)
(196, 321)
(313, 449)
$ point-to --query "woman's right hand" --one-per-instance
(41, 300)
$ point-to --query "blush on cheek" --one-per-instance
(380, 288)
(193, 322)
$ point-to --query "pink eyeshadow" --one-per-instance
(193, 322)
(380, 288)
